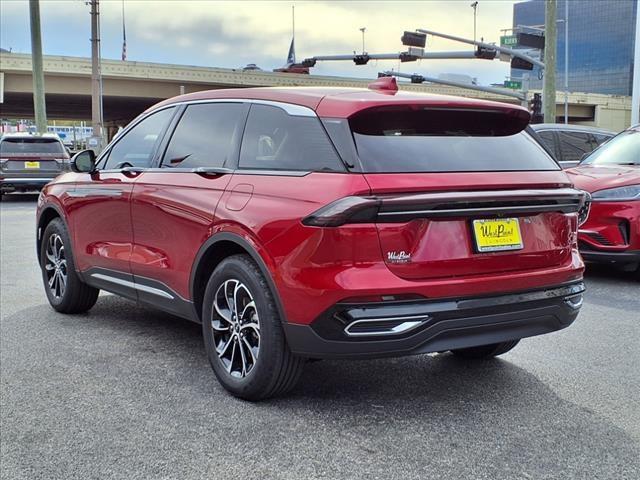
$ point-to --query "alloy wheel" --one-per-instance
(56, 266)
(236, 328)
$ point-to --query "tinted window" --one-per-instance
(623, 149)
(549, 140)
(204, 137)
(601, 138)
(274, 140)
(418, 140)
(136, 147)
(574, 145)
(30, 145)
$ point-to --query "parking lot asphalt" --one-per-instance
(126, 392)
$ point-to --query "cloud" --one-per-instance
(231, 34)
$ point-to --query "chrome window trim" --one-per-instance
(290, 108)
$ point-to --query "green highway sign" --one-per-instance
(513, 84)
(508, 40)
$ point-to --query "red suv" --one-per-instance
(299, 223)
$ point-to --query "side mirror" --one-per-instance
(84, 161)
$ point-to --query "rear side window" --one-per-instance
(135, 148)
(421, 139)
(549, 141)
(205, 135)
(601, 138)
(18, 146)
(574, 145)
(275, 140)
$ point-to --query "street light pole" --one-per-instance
(550, 43)
(39, 106)
(363, 29)
(474, 5)
(566, 61)
(635, 95)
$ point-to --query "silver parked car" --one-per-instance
(569, 143)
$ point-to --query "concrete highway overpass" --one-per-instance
(130, 87)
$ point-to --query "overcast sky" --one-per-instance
(232, 34)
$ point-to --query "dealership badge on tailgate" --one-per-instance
(494, 235)
(398, 257)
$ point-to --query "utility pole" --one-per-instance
(635, 96)
(363, 29)
(550, 42)
(96, 90)
(39, 105)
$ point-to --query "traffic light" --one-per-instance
(361, 59)
(309, 62)
(408, 57)
(517, 62)
(486, 53)
(536, 109)
(530, 40)
(414, 39)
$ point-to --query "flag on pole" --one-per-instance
(291, 57)
(124, 36)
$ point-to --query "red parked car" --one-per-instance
(612, 175)
(298, 223)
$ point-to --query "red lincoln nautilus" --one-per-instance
(299, 223)
(612, 175)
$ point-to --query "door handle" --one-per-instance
(212, 171)
(132, 170)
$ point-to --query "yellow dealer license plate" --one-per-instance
(495, 235)
(31, 164)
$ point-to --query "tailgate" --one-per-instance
(464, 230)
(50, 165)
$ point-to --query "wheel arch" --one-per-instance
(47, 214)
(212, 252)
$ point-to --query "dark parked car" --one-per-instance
(570, 143)
(300, 223)
(612, 175)
(28, 162)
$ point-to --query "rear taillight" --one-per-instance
(345, 210)
(447, 205)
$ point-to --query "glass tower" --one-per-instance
(601, 44)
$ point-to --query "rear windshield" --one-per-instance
(418, 139)
(31, 145)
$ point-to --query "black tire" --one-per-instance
(274, 370)
(486, 351)
(72, 295)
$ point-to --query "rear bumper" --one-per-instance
(9, 184)
(408, 328)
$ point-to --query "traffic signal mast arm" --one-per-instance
(507, 51)
(417, 78)
(404, 56)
